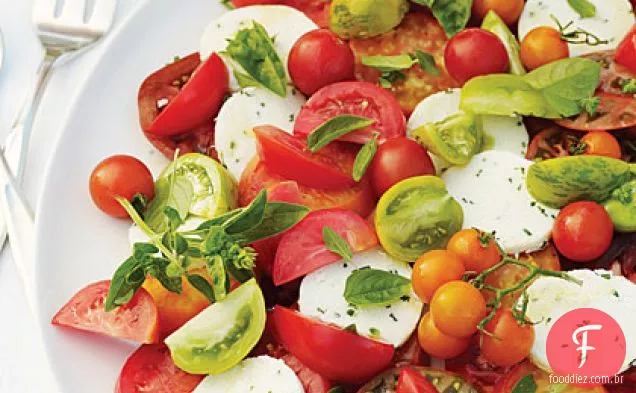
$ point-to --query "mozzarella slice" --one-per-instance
(263, 374)
(284, 23)
(492, 191)
(254, 106)
(612, 22)
(322, 297)
(501, 132)
(551, 297)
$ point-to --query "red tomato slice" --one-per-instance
(302, 249)
(613, 112)
(626, 51)
(199, 140)
(194, 96)
(410, 353)
(328, 168)
(150, 370)
(411, 381)
(338, 354)
(353, 98)
(136, 321)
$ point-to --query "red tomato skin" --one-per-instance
(311, 380)
(473, 52)
(335, 353)
(411, 381)
(302, 249)
(289, 157)
(198, 101)
(626, 51)
(137, 320)
(583, 231)
(319, 58)
(398, 159)
(353, 98)
(150, 370)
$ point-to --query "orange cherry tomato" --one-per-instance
(508, 10)
(511, 342)
(457, 308)
(438, 344)
(541, 46)
(601, 143)
(434, 269)
(477, 250)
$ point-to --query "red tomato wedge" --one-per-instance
(136, 321)
(328, 168)
(183, 95)
(337, 354)
(411, 381)
(302, 249)
(353, 98)
(150, 370)
(626, 51)
(613, 112)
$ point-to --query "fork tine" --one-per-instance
(73, 11)
(103, 14)
(43, 10)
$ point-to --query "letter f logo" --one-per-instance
(583, 344)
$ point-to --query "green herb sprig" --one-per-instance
(577, 35)
(392, 66)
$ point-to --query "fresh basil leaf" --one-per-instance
(453, 15)
(388, 78)
(583, 7)
(389, 63)
(249, 217)
(494, 24)
(139, 203)
(220, 283)
(334, 128)
(427, 62)
(629, 87)
(335, 243)
(158, 269)
(590, 105)
(122, 288)
(174, 218)
(254, 51)
(277, 218)
(141, 250)
(240, 275)
(202, 285)
(175, 242)
(228, 4)
(525, 385)
(245, 80)
(220, 220)
(172, 191)
(372, 287)
(364, 158)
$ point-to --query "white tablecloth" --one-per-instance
(23, 368)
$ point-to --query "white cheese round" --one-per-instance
(263, 374)
(250, 107)
(613, 19)
(284, 23)
(551, 297)
(322, 297)
(500, 132)
(491, 189)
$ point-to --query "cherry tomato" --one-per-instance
(511, 341)
(329, 350)
(626, 51)
(175, 99)
(411, 381)
(328, 168)
(477, 250)
(434, 269)
(122, 176)
(457, 308)
(612, 113)
(137, 320)
(319, 58)
(302, 249)
(508, 10)
(541, 46)
(601, 143)
(353, 98)
(542, 379)
(150, 370)
(398, 159)
(583, 231)
(474, 52)
(438, 344)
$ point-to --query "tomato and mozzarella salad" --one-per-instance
(376, 196)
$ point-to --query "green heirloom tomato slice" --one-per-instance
(622, 207)
(417, 215)
(494, 24)
(214, 190)
(221, 335)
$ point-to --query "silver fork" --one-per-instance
(63, 27)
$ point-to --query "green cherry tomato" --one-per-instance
(417, 215)
(365, 18)
(621, 206)
(221, 335)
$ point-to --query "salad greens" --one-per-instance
(453, 15)
(172, 191)
(392, 66)
(372, 287)
(364, 158)
(334, 128)
(494, 24)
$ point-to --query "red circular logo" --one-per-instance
(586, 343)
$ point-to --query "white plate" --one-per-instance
(76, 243)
